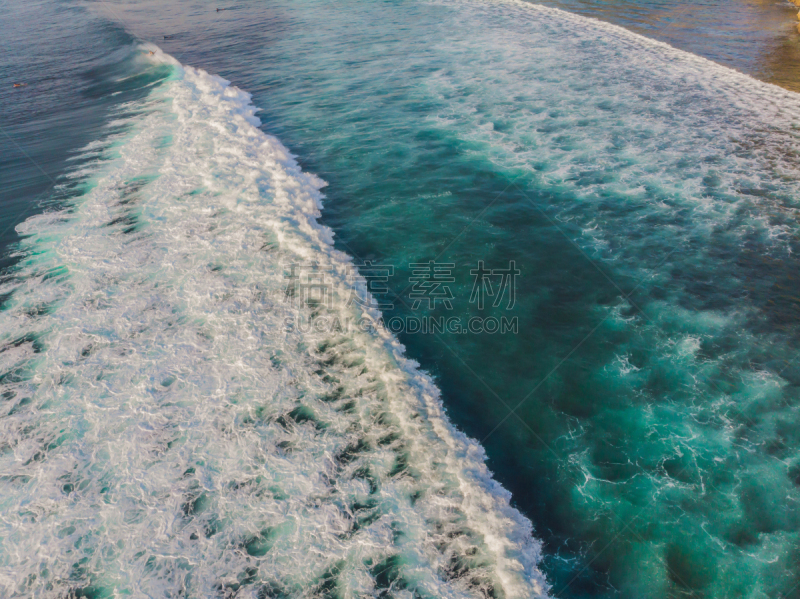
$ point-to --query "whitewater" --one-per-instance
(165, 433)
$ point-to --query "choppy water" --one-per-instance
(167, 434)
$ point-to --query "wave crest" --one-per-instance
(165, 433)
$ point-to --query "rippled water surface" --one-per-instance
(165, 433)
(758, 37)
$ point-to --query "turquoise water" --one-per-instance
(643, 416)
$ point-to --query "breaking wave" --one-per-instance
(165, 434)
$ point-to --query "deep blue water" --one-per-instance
(643, 415)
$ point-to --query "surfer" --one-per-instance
(20, 84)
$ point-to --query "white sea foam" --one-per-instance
(164, 434)
(647, 157)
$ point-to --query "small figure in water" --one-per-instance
(220, 9)
(20, 84)
(151, 52)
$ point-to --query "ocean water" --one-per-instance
(175, 425)
(758, 37)
(71, 63)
